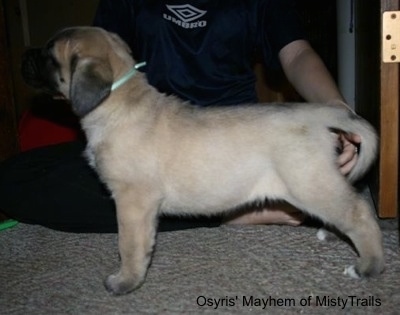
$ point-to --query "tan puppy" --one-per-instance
(158, 154)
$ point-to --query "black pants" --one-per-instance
(55, 187)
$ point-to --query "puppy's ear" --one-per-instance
(90, 84)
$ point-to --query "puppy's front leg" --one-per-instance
(137, 216)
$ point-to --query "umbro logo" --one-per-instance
(186, 13)
(186, 16)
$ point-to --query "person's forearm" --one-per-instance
(308, 74)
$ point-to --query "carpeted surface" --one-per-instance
(48, 272)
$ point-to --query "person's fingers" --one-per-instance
(349, 155)
(347, 167)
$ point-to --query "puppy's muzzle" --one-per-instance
(38, 69)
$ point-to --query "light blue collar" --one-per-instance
(127, 76)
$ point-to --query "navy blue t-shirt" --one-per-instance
(203, 51)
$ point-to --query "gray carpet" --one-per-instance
(48, 272)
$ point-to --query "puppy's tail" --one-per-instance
(367, 151)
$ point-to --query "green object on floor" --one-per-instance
(7, 224)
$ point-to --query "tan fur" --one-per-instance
(158, 154)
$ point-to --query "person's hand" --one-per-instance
(348, 147)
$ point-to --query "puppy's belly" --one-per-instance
(221, 194)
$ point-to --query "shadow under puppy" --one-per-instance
(158, 154)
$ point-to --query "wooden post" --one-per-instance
(8, 129)
(389, 131)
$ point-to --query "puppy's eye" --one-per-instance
(62, 80)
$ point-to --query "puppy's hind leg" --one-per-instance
(338, 204)
(366, 237)
(137, 216)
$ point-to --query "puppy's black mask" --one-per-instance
(89, 82)
(38, 69)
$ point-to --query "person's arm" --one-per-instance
(307, 73)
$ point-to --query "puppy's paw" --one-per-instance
(322, 234)
(325, 235)
(366, 268)
(351, 272)
(118, 285)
